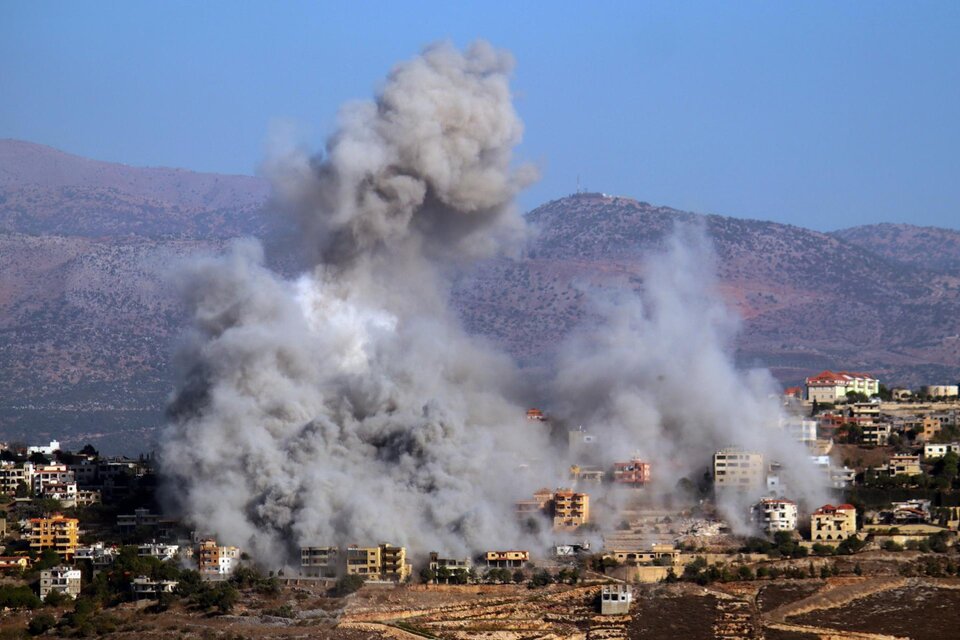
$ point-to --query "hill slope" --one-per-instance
(926, 247)
(88, 319)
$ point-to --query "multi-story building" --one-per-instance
(832, 523)
(450, 565)
(66, 580)
(931, 451)
(615, 599)
(776, 515)
(56, 532)
(803, 430)
(940, 390)
(903, 464)
(828, 386)
(581, 444)
(43, 475)
(876, 433)
(739, 470)
(507, 559)
(321, 562)
(570, 510)
(12, 476)
(216, 560)
(158, 550)
(364, 561)
(47, 450)
(145, 588)
(634, 473)
(99, 555)
(394, 565)
(930, 427)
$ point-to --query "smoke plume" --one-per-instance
(347, 405)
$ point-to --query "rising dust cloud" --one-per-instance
(348, 405)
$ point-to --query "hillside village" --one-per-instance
(85, 533)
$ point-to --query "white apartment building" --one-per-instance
(158, 550)
(803, 430)
(775, 514)
(940, 390)
(831, 387)
(45, 450)
(99, 555)
(66, 580)
(931, 451)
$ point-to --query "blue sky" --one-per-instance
(820, 114)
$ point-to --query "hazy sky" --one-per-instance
(823, 115)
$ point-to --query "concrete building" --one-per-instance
(507, 559)
(832, 523)
(158, 550)
(615, 599)
(214, 560)
(831, 387)
(581, 444)
(633, 473)
(932, 451)
(14, 563)
(12, 476)
(570, 509)
(57, 532)
(903, 464)
(739, 470)
(99, 555)
(145, 588)
(876, 433)
(803, 430)
(774, 515)
(662, 554)
(394, 563)
(66, 580)
(449, 564)
(930, 427)
(940, 390)
(47, 450)
(321, 562)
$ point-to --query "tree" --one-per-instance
(947, 466)
(346, 585)
(41, 624)
(518, 576)
(427, 575)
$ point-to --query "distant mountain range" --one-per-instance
(88, 319)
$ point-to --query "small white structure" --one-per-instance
(158, 550)
(615, 599)
(776, 514)
(98, 555)
(45, 450)
(931, 451)
(66, 580)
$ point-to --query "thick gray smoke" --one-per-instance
(656, 377)
(347, 406)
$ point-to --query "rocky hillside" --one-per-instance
(88, 318)
(925, 247)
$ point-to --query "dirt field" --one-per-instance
(918, 611)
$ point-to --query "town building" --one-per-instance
(802, 430)
(214, 560)
(615, 599)
(586, 475)
(773, 514)
(394, 563)
(57, 532)
(99, 555)
(159, 550)
(581, 444)
(536, 415)
(934, 450)
(450, 565)
(66, 580)
(633, 473)
(930, 427)
(570, 509)
(915, 511)
(145, 588)
(12, 477)
(14, 563)
(739, 470)
(903, 464)
(47, 450)
(940, 390)
(876, 433)
(661, 554)
(321, 562)
(831, 387)
(364, 561)
(507, 559)
(832, 523)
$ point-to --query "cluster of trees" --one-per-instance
(935, 544)
(783, 545)
(698, 571)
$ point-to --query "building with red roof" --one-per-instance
(829, 386)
